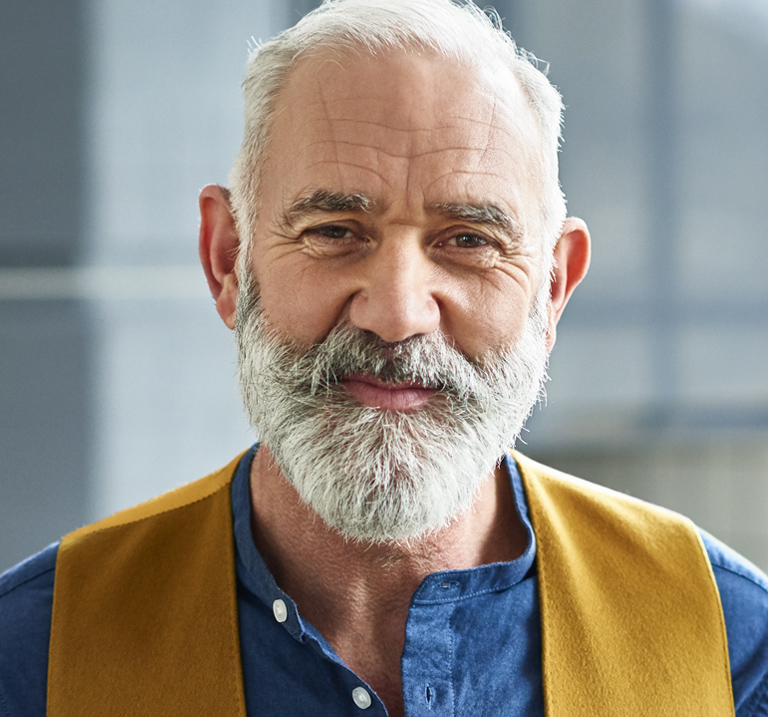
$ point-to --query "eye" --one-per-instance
(468, 241)
(333, 240)
(333, 231)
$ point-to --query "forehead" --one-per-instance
(403, 127)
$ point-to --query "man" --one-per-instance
(394, 257)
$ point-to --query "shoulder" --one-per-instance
(26, 600)
(26, 587)
(744, 596)
(629, 524)
(743, 588)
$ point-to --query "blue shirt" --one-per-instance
(472, 642)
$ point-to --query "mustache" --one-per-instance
(431, 361)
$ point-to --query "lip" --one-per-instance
(392, 396)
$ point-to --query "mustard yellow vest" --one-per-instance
(145, 611)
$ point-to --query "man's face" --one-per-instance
(399, 193)
(391, 337)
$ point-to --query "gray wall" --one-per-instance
(45, 345)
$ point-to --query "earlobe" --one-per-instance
(219, 245)
(571, 261)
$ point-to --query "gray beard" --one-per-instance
(372, 474)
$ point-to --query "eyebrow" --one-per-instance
(487, 214)
(323, 200)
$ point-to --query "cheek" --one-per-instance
(489, 315)
(491, 327)
(300, 303)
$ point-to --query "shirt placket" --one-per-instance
(427, 662)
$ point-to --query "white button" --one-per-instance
(280, 610)
(361, 698)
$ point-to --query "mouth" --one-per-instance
(401, 396)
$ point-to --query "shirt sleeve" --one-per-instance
(744, 596)
(26, 603)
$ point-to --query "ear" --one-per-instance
(219, 245)
(571, 261)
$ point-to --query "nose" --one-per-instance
(396, 299)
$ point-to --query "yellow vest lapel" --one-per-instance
(631, 616)
(145, 611)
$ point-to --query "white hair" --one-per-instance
(459, 32)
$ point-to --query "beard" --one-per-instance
(372, 474)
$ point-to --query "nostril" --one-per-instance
(395, 316)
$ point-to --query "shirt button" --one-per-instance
(279, 610)
(361, 698)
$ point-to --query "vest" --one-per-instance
(145, 611)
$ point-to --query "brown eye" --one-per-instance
(468, 241)
(334, 231)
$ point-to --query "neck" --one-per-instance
(357, 594)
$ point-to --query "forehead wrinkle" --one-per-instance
(473, 173)
(491, 125)
(389, 126)
(442, 150)
(335, 165)
(395, 155)
(486, 147)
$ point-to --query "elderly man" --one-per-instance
(394, 257)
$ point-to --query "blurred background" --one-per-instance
(117, 378)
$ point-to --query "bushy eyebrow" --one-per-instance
(485, 214)
(323, 200)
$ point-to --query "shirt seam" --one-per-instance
(466, 596)
(451, 673)
(25, 581)
(740, 575)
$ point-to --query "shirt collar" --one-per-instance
(441, 587)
